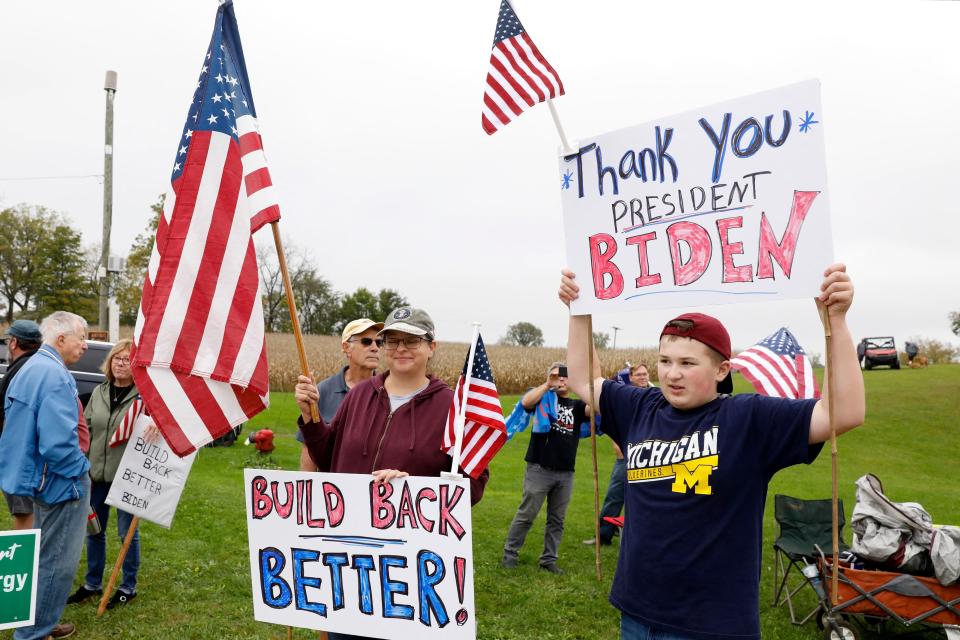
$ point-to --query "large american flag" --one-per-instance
(777, 366)
(484, 432)
(519, 75)
(199, 357)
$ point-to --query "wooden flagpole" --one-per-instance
(116, 567)
(294, 319)
(593, 442)
(828, 336)
(567, 150)
(298, 336)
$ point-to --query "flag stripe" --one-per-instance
(545, 66)
(209, 237)
(503, 94)
(782, 368)
(772, 380)
(499, 111)
(507, 81)
(772, 365)
(537, 77)
(257, 180)
(511, 60)
(175, 236)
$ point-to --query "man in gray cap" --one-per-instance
(23, 339)
(361, 346)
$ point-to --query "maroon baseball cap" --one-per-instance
(709, 331)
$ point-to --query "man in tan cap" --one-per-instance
(361, 346)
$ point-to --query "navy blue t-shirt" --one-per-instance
(696, 487)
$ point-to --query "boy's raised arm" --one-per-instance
(849, 401)
(577, 340)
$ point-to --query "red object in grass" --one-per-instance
(262, 440)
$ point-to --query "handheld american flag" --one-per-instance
(519, 75)
(777, 366)
(125, 427)
(484, 432)
(199, 357)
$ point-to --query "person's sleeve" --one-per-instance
(58, 443)
(782, 427)
(477, 485)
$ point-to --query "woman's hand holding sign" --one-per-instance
(384, 476)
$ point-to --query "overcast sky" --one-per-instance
(370, 115)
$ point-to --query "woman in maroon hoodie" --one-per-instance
(392, 424)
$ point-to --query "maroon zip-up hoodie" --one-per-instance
(365, 436)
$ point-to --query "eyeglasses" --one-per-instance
(410, 342)
(681, 325)
(367, 341)
(121, 359)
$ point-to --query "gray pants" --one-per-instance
(539, 484)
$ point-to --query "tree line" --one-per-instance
(44, 267)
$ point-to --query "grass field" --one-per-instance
(195, 578)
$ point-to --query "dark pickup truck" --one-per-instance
(86, 371)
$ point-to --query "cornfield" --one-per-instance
(515, 369)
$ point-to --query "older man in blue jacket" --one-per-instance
(40, 457)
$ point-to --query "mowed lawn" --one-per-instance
(195, 577)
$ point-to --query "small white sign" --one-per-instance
(337, 552)
(724, 204)
(151, 477)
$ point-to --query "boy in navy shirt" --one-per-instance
(698, 464)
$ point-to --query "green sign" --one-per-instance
(19, 556)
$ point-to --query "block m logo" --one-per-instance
(694, 474)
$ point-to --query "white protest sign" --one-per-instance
(336, 552)
(724, 204)
(150, 478)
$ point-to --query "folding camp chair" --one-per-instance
(804, 525)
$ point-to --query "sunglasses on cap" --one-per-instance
(366, 342)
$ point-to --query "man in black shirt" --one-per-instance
(23, 340)
(551, 457)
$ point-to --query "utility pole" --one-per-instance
(615, 329)
(110, 86)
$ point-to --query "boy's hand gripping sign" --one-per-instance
(723, 204)
(340, 553)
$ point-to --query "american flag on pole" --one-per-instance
(484, 432)
(519, 75)
(125, 427)
(199, 357)
(777, 366)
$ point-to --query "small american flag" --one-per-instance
(199, 357)
(777, 366)
(519, 75)
(125, 428)
(484, 432)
